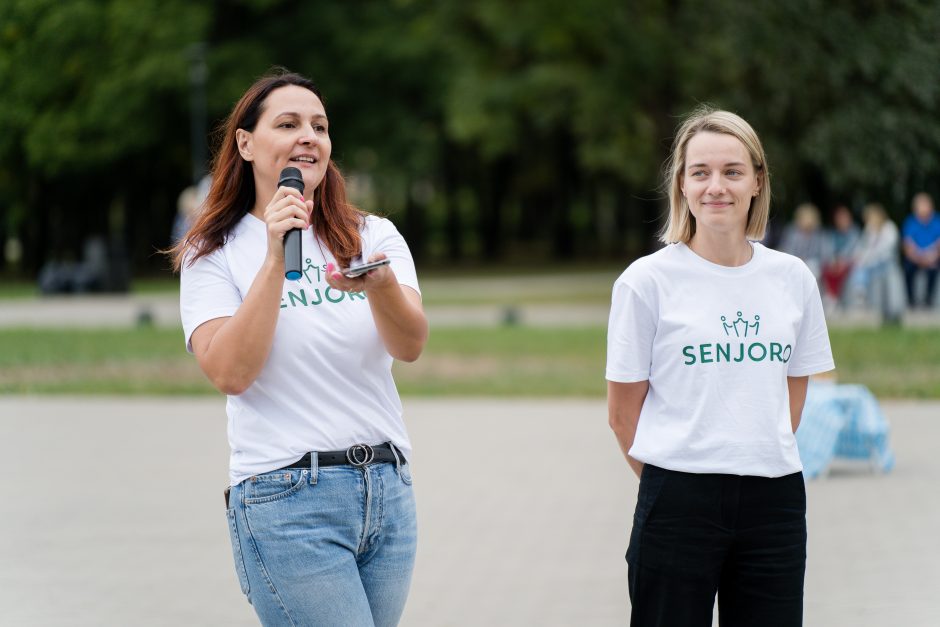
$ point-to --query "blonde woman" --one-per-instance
(710, 345)
(805, 239)
(876, 278)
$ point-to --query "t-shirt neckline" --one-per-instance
(720, 269)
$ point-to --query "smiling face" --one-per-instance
(719, 182)
(292, 131)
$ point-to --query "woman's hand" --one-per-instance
(378, 278)
(287, 210)
(396, 309)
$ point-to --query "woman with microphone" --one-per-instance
(320, 506)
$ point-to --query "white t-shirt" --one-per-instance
(327, 383)
(716, 345)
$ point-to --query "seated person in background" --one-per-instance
(921, 248)
(875, 277)
(842, 242)
(804, 238)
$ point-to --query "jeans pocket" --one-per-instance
(274, 486)
(237, 551)
(404, 471)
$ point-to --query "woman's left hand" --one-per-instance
(379, 277)
(396, 309)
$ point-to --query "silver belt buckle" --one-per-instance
(360, 455)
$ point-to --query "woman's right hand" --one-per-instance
(287, 210)
(232, 350)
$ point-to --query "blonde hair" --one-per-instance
(874, 215)
(680, 224)
(806, 215)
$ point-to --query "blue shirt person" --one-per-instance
(921, 236)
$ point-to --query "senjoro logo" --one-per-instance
(312, 296)
(717, 352)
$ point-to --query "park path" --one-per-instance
(111, 514)
(163, 310)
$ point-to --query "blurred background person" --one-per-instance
(921, 248)
(185, 210)
(805, 238)
(876, 279)
(843, 238)
(187, 206)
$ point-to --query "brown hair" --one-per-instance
(232, 193)
(680, 225)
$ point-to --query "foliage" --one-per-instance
(85, 77)
(843, 90)
(488, 130)
(91, 91)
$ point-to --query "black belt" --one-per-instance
(355, 455)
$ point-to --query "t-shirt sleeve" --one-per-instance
(630, 334)
(385, 238)
(812, 353)
(207, 291)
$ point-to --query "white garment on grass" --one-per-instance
(327, 383)
(716, 345)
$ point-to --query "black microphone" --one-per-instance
(291, 177)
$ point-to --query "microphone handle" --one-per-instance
(292, 255)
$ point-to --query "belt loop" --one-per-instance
(314, 467)
(397, 457)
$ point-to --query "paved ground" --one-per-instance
(163, 310)
(111, 514)
(126, 311)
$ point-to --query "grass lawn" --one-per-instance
(18, 290)
(555, 285)
(22, 290)
(503, 361)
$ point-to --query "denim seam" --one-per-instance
(239, 554)
(378, 513)
(263, 570)
(367, 511)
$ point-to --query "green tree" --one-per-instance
(845, 93)
(90, 89)
(487, 130)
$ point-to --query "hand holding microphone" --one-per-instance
(287, 212)
(293, 254)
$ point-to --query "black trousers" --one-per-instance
(695, 535)
(910, 274)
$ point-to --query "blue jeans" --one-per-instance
(325, 546)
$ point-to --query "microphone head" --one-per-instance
(291, 177)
